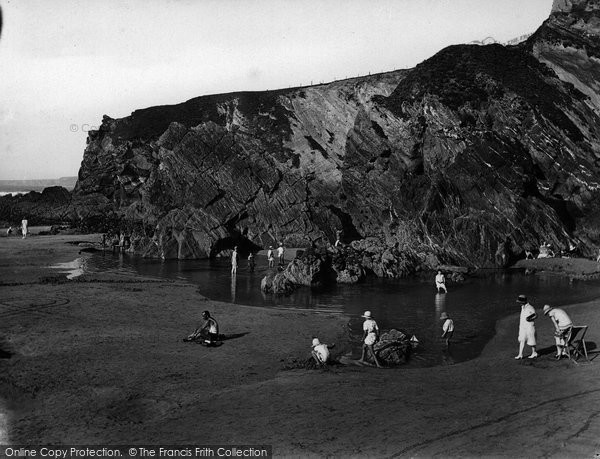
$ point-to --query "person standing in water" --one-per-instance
(447, 327)
(234, 260)
(24, 227)
(280, 253)
(440, 282)
(270, 257)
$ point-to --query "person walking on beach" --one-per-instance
(440, 282)
(370, 337)
(526, 327)
(209, 331)
(447, 327)
(270, 257)
(24, 227)
(280, 252)
(234, 260)
(251, 263)
(562, 326)
(320, 352)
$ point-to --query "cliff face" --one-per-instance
(477, 148)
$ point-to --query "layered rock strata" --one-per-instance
(470, 158)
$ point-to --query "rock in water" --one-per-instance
(392, 349)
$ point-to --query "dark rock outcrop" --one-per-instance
(439, 164)
(392, 349)
(278, 283)
(51, 206)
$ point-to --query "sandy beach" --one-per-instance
(99, 360)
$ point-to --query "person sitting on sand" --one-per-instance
(528, 255)
(208, 332)
(440, 282)
(320, 352)
(526, 328)
(562, 325)
(447, 327)
(370, 337)
(9, 231)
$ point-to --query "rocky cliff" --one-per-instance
(477, 151)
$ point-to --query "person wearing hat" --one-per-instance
(370, 337)
(526, 327)
(447, 327)
(320, 351)
(562, 325)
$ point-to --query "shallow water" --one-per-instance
(410, 305)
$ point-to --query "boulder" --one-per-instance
(392, 349)
(277, 283)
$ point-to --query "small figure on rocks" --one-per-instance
(208, 332)
(280, 253)
(440, 282)
(270, 257)
(526, 327)
(562, 326)
(234, 260)
(320, 352)
(447, 327)
(370, 337)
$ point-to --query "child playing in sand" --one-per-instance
(447, 327)
(320, 352)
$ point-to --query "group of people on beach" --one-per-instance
(563, 326)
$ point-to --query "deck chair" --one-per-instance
(575, 343)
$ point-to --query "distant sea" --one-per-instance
(4, 193)
(25, 186)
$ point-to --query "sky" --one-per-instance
(66, 63)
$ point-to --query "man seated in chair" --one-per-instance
(562, 325)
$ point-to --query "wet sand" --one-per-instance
(100, 360)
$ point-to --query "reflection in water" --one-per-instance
(474, 305)
(72, 269)
(233, 287)
(447, 358)
(440, 304)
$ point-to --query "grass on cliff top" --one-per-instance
(472, 75)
